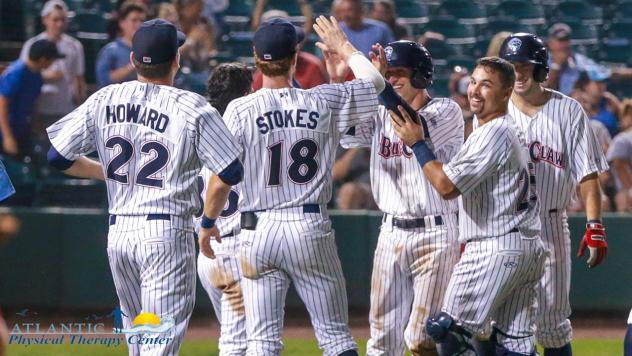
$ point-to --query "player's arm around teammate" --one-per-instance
(496, 277)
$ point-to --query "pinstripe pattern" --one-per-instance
(153, 262)
(496, 280)
(565, 150)
(339, 107)
(194, 136)
(221, 278)
(487, 171)
(411, 267)
(288, 245)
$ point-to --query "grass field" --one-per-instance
(303, 347)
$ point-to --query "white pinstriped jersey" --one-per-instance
(399, 185)
(152, 141)
(562, 146)
(290, 136)
(228, 220)
(493, 173)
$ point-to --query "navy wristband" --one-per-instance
(423, 153)
(207, 223)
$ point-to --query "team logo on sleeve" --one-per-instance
(539, 152)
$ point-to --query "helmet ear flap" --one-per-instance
(419, 81)
(540, 73)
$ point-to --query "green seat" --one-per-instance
(580, 10)
(91, 48)
(440, 51)
(413, 14)
(615, 52)
(465, 11)
(526, 12)
(462, 61)
(239, 44)
(623, 10)
(583, 34)
(240, 8)
(621, 29)
(439, 87)
(89, 25)
(290, 6)
(83, 193)
(510, 24)
(454, 32)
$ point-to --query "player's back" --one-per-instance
(151, 140)
(289, 137)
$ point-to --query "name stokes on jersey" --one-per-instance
(279, 119)
(137, 114)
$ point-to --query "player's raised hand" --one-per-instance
(595, 240)
(378, 58)
(408, 131)
(204, 239)
(336, 67)
(333, 39)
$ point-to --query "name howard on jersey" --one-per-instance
(280, 119)
(137, 114)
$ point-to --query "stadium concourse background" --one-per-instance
(58, 259)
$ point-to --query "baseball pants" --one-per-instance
(411, 271)
(290, 246)
(553, 327)
(495, 284)
(153, 265)
(221, 277)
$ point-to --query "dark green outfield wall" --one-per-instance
(59, 260)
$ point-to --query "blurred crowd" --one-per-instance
(48, 80)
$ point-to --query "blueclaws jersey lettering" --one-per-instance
(289, 138)
(562, 146)
(152, 141)
(399, 185)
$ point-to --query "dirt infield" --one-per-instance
(299, 328)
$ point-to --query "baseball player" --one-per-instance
(289, 137)
(221, 276)
(152, 140)
(497, 275)
(565, 153)
(417, 247)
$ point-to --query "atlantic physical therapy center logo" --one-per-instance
(146, 329)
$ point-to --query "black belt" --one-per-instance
(230, 234)
(414, 223)
(249, 219)
(515, 229)
(149, 217)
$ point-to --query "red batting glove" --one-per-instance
(595, 240)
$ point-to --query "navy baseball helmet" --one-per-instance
(527, 48)
(409, 54)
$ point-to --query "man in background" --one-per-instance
(362, 33)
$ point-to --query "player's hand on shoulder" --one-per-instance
(595, 240)
(408, 130)
(204, 239)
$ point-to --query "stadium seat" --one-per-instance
(413, 14)
(454, 32)
(440, 51)
(587, 14)
(239, 44)
(24, 181)
(462, 61)
(84, 193)
(623, 10)
(510, 24)
(621, 29)
(89, 25)
(615, 52)
(465, 11)
(237, 15)
(526, 12)
(582, 34)
(290, 6)
(439, 87)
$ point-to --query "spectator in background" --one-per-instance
(362, 33)
(20, 87)
(566, 66)
(351, 172)
(493, 49)
(200, 44)
(620, 158)
(336, 9)
(64, 84)
(384, 11)
(113, 64)
(602, 105)
(167, 11)
(459, 81)
(310, 70)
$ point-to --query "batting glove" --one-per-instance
(595, 240)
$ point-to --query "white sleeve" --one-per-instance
(215, 145)
(73, 135)
(586, 155)
(482, 154)
(362, 68)
(447, 131)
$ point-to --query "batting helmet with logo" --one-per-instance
(409, 54)
(527, 48)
